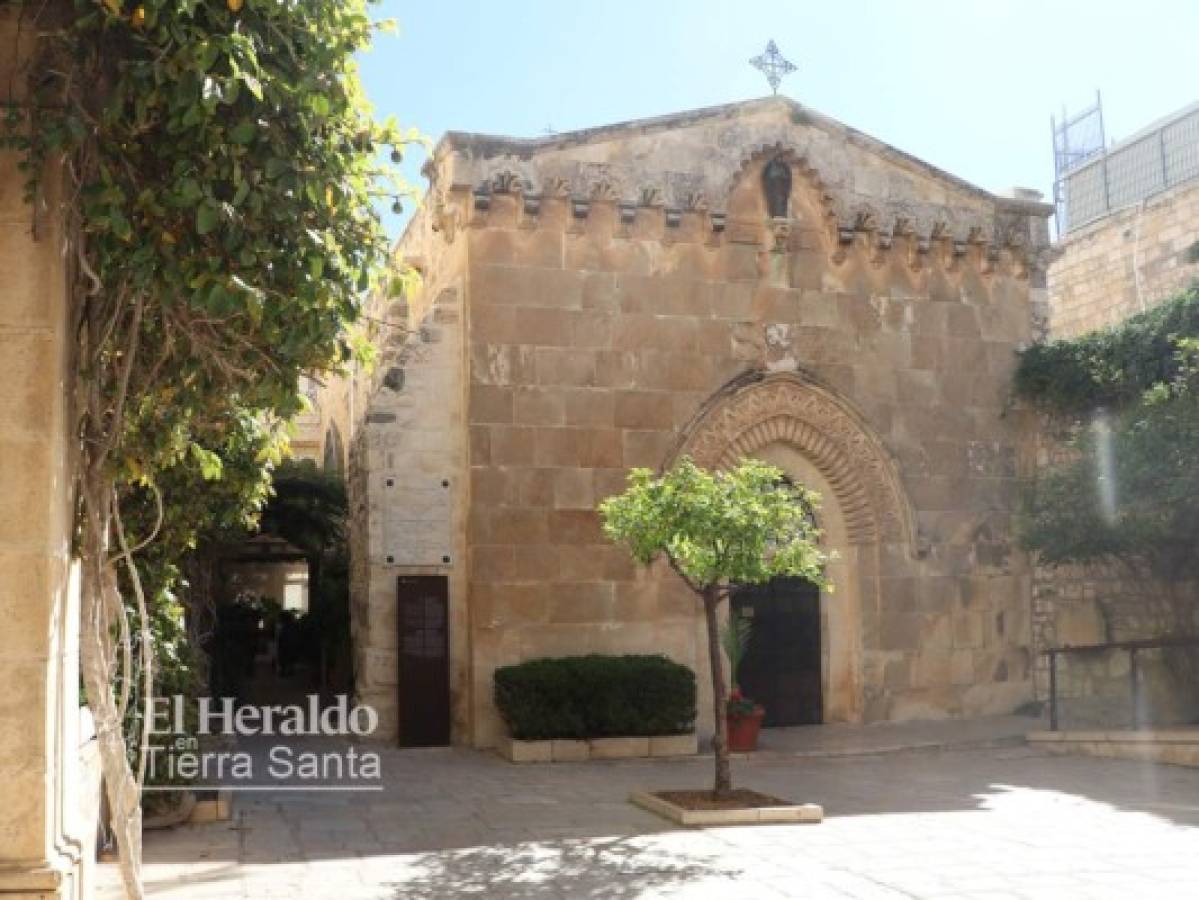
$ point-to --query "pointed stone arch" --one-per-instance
(790, 408)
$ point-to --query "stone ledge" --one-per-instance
(598, 748)
(1141, 736)
(619, 747)
(1172, 746)
(34, 880)
(213, 809)
(808, 813)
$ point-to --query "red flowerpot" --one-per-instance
(743, 730)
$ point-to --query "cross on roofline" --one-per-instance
(773, 65)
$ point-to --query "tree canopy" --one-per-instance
(723, 528)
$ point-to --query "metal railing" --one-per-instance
(1134, 672)
(1163, 157)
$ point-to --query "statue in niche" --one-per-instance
(776, 184)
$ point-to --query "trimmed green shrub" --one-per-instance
(580, 697)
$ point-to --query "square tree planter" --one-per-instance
(743, 808)
(598, 748)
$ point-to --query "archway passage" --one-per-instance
(782, 665)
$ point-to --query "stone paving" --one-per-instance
(990, 822)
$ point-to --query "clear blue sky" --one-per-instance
(966, 85)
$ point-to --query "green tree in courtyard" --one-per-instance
(718, 531)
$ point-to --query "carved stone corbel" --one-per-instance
(883, 242)
(918, 250)
(507, 182)
(845, 238)
(556, 186)
(604, 192)
(651, 197)
(445, 218)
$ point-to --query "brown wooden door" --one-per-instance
(781, 669)
(424, 661)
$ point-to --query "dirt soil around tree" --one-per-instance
(739, 798)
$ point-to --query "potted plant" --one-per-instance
(744, 716)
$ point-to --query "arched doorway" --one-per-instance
(809, 664)
(782, 668)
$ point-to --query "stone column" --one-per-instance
(42, 785)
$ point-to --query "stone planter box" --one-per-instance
(598, 748)
(763, 815)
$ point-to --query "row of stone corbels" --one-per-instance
(924, 239)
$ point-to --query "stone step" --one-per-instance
(1177, 746)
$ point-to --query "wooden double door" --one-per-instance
(782, 666)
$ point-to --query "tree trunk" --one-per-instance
(723, 784)
(98, 595)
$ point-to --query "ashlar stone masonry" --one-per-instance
(621, 296)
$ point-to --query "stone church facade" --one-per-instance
(747, 280)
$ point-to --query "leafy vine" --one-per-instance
(217, 171)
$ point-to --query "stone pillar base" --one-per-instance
(39, 881)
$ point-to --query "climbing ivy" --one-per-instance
(1125, 488)
(219, 173)
(1112, 367)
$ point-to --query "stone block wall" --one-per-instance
(406, 475)
(1125, 262)
(596, 336)
(618, 298)
(43, 786)
(583, 370)
(1084, 605)
(1097, 604)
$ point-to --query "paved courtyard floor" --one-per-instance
(985, 822)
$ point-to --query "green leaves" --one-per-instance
(1110, 367)
(226, 184)
(743, 526)
(209, 463)
(207, 218)
(243, 132)
(734, 639)
(1127, 486)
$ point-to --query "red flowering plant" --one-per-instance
(739, 704)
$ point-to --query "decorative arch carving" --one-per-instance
(755, 411)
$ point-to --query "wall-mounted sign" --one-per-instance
(416, 520)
